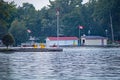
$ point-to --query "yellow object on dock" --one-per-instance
(42, 45)
(35, 46)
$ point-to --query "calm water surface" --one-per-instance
(71, 64)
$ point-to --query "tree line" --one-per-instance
(96, 16)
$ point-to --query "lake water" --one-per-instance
(71, 64)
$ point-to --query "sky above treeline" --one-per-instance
(38, 4)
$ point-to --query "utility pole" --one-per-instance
(80, 28)
(111, 25)
(57, 13)
(79, 38)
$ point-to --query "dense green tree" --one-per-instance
(8, 40)
(7, 14)
(30, 16)
(69, 15)
(48, 22)
(3, 31)
(106, 10)
(89, 22)
(19, 31)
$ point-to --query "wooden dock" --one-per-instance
(32, 50)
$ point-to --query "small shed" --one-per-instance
(61, 41)
(93, 40)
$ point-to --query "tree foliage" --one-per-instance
(103, 10)
(19, 31)
(94, 16)
(7, 13)
(8, 40)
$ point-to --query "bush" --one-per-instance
(8, 40)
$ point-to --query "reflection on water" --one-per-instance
(71, 64)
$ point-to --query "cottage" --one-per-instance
(62, 41)
(93, 40)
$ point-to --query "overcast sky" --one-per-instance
(38, 4)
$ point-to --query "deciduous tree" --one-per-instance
(8, 40)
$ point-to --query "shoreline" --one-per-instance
(51, 49)
(28, 49)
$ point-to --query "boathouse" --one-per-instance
(93, 40)
(61, 41)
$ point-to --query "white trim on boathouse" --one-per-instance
(63, 41)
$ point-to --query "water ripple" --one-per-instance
(71, 64)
